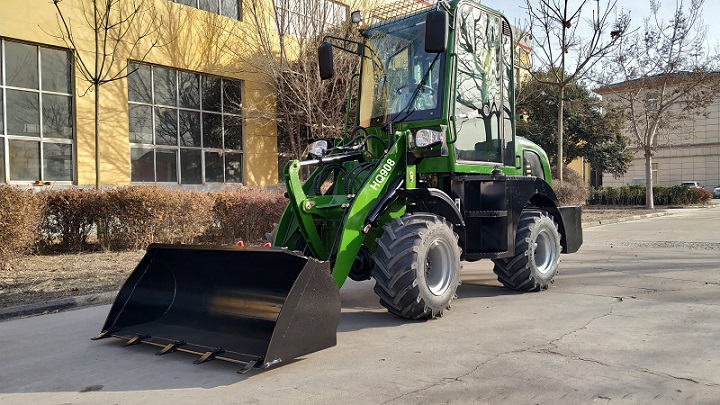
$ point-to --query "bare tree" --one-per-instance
(288, 34)
(568, 44)
(118, 27)
(660, 76)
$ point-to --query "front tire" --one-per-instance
(417, 266)
(537, 254)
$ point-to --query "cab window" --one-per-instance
(480, 107)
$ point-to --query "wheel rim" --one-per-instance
(545, 252)
(438, 267)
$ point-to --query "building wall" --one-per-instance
(187, 39)
(690, 152)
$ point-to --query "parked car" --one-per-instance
(716, 192)
(637, 181)
(691, 184)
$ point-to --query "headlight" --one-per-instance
(316, 149)
(427, 138)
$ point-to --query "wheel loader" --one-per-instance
(431, 175)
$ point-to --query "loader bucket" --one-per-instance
(253, 306)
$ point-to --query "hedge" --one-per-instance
(68, 219)
(129, 218)
(20, 213)
(133, 217)
(126, 218)
(635, 195)
(246, 214)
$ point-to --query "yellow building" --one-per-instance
(182, 101)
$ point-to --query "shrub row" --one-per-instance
(635, 195)
(74, 220)
(129, 218)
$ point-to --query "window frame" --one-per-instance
(471, 117)
(6, 136)
(178, 147)
(220, 8)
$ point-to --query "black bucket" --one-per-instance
(253, 306)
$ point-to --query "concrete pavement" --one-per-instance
(634, 317)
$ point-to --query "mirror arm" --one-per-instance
(344, 44)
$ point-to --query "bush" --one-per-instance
(186, 215)
(572, 190)
(128, 217)
(635, 195)
(701, 195)
(133, 217)
(19, 222)
(68, 219)
(246, 214)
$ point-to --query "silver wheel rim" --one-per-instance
(545, 252)
(438, 267)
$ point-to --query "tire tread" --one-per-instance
(396, 266)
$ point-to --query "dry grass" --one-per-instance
(47, 277)
(591, 214)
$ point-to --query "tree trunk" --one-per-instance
(96, 89)
(561, 105)
(561, 98)
(649, 196)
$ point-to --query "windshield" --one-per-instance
(399, 79)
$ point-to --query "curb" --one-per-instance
(624, 219)
(62, 304)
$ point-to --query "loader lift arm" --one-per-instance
(304, 212)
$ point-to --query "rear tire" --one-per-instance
(417, 266)
(537, 254)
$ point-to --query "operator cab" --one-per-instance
(400, 81)
(403, 80)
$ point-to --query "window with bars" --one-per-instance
(36, 113)
(228, 8)
(185, 127)
(654, 173)
(308, 18)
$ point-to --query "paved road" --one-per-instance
(634, 317)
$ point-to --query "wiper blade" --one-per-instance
(415, 94)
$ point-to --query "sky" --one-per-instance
(639, 9)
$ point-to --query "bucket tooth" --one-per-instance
(135, 340)
(207, 356)
(104, 334)
(248, 366)
(170, 347)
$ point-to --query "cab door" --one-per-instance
(483, 111)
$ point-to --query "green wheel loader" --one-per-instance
(432, 175)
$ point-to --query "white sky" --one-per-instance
(639, 9)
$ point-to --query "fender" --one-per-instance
(536, 192)
(435, 201)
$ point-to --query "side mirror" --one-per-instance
(356, 17)
(436, 31)
(325, 59)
